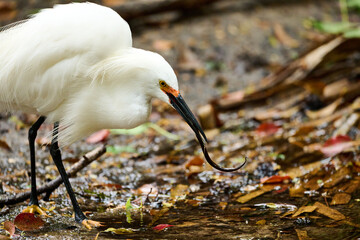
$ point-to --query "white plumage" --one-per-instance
(75, 64)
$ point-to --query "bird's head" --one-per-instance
(169, 92)
(153, 77)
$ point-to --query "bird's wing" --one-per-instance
(44, 60)
(11, 25)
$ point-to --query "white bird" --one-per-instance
(74, 65)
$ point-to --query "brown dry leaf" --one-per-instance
(147, 189)
(337, 177)
(314, 87)
(326, 111)
(314, 183)
(284, 38)
(207, 116)
(351, 186)
(302, 234)
(163, 45)
(304, 209)
(261, 222)
(223, 205)
(4, 145)
(297, 191)
(9, 227)
(312, 59)
(276, 113)
(345, 126)
(336, 88)
(341, 198)
(247, 197)
(329, 212)
(179, 190)
(300, 171)
(195, 161)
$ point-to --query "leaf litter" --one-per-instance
(303, 146)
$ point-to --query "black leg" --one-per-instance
(32, 136)
(56, 155)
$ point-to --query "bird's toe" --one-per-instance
(36, 209)
(89, 224)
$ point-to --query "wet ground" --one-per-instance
(213, 53)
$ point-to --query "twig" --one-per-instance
(50, 186)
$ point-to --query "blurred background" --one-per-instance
(215, 46)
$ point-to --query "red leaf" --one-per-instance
(275, 179)
(161, 227)
(9, 227)
(28, 222)
(267, 129)
(336, 145)
(195, 161)
(98, 136)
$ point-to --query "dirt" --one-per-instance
(213, 53)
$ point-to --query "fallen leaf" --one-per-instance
(261, 222)
(179, 190)
(340, 175)
(283, 37)
(324, 112)
(275, 179)
(302, 234)
(9, 227)
(120, 230)
(4, 145)
(28, 222)
(267, 129)
(195, 161)
(98, 136)
(163, 45)
(336, 145)
(341, 198)
(19, 124)
(249, 196)
(329, 212)
(304, 209)
(147, 189)
(161, 227)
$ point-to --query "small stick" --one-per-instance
(51, 186)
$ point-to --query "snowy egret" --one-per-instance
(74, 65)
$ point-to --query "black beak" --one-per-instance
(180, 105)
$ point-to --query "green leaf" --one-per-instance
(353, 33)
(355, 4)
(332, 27)
(163, 132)
(119, 149)
(128, 208)
(134, 131)
(144, 127)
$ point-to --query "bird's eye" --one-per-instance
(162, 83)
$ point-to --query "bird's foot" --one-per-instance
(89, 224)
(36, 209)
